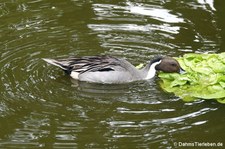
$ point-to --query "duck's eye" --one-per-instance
(173, 64)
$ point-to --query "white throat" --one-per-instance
(152, 71)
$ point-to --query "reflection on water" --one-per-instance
(41, 107)
(160, 14)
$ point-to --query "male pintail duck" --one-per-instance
(112, 70)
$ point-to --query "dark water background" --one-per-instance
(41, 107)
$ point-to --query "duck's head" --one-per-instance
(165, 64)
(168, 64)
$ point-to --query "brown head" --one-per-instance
(169, 64)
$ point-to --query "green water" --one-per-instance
(41, 107)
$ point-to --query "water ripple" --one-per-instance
(156, 13)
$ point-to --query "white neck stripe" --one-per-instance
(152, 71)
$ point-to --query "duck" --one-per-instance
(106, 69)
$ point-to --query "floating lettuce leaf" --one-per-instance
(204, 78)
(141, 65)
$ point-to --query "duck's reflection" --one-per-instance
(102, 92)
(99, 88)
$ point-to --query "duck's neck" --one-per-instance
(151, 71)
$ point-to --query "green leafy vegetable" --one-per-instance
(204, 78)
(141, 65)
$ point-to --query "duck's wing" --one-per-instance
(90, 64)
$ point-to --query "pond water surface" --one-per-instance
(41, 107)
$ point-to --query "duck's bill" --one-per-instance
(182, 71)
